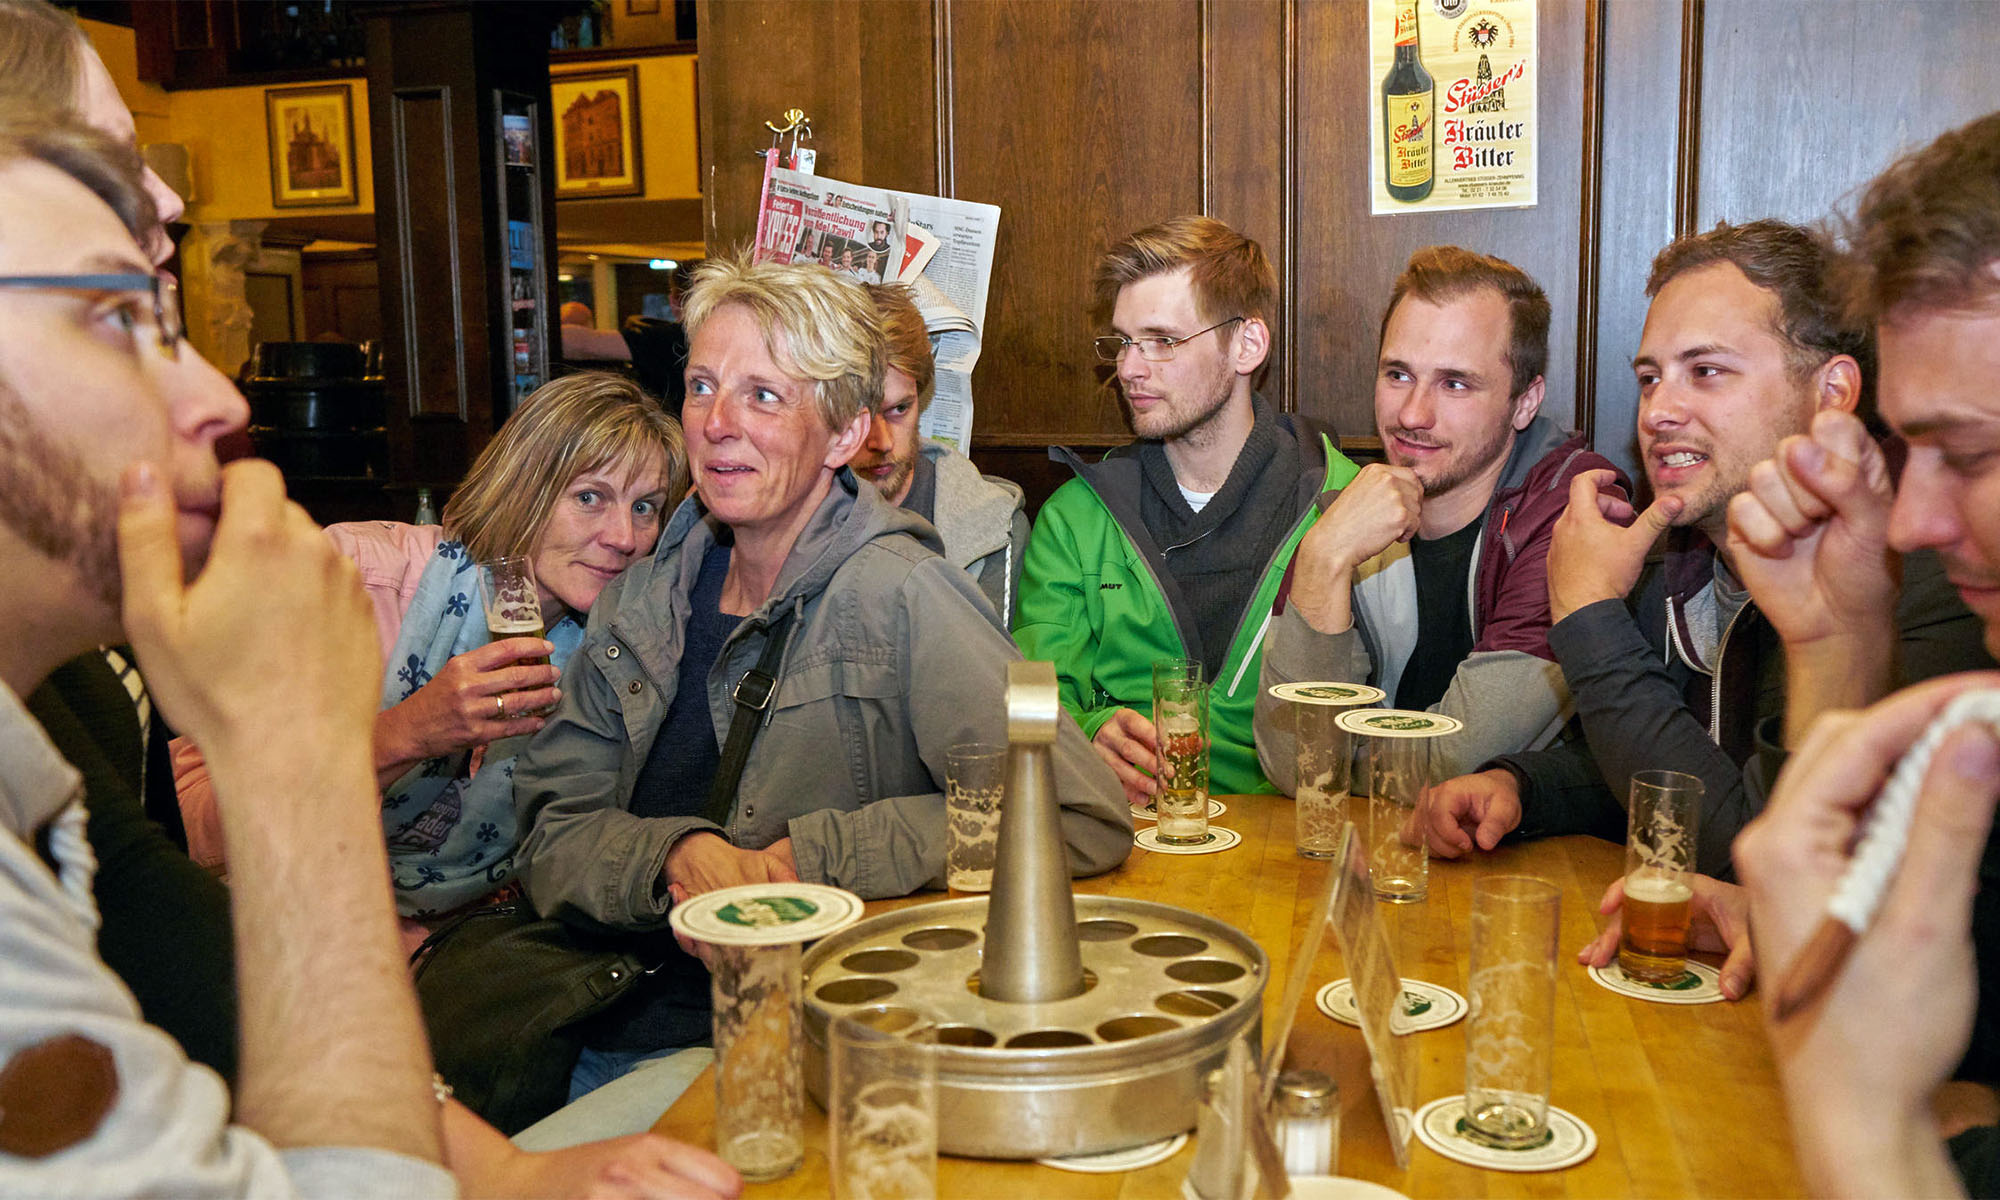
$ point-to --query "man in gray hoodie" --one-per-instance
(983, 519)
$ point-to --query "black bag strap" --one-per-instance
(752, 695)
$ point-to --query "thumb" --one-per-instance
(1493, 825)
(149, 552)
(1658, 516)
(1739, 970)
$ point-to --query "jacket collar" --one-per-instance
(850, 516)
(974, 513)
(36, 781)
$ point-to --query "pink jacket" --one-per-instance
(392, 557)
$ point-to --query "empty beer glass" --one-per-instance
(1326, 768)
(1659, 858)
(1400, 771)
(1510, 1028)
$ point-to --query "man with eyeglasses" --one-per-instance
(1427, 575)
(1172, 546)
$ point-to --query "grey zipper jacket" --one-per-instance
(894, 656)
(983, 520)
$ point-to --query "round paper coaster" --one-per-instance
(1334, 695)
(1701, 985)
(1111, 1162)
(1397, 723)
(1425, 1006)
(1151, 811)
(1219, 839)
(766, 914)
(1568, 1142)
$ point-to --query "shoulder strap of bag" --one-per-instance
(752, 695)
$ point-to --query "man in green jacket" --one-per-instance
(1173, 546)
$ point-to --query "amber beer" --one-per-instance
(1653, 948)
(500, 627)
(1409, 114)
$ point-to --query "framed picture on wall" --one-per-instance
(597, 133)
(310, 131)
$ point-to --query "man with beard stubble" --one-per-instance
(1173, 546)
(982, 518)
(1426, 575)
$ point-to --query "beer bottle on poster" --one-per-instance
(1408, 111)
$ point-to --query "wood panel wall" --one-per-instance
(1085, 119)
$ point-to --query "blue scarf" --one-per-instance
(452, 834)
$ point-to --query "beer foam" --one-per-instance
(1651, 889)
(514, 628)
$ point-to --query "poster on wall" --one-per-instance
(1452, 94)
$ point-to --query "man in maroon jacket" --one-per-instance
(1426, 575)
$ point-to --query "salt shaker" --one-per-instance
(1305, 1122)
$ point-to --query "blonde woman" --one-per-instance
(577, 480)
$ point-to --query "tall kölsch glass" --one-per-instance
(1510, 1026)
(1180, 720)
(1659, 858)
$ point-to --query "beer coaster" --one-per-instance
(1111, 1162)
(1397, 723)
(1701, 985)
(1568, 1141)
(1219, 839)
(1332, 695)
(765, 914)
(1151, 811)
(1425, 1006)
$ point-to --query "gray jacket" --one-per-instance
(892, 659)
(983, 520)
(166, 1131)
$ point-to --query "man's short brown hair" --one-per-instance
(1228, 272)
(1926, 234)
(1439, 274)
(1794, 264)
(909, 342)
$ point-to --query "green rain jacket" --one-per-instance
(1092, 603)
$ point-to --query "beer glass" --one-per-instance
(1510, 1029)
(1400, 771)
(882, 1111)
(759, 1104)
(975, 779)
(1659, 858)
(1180, 720)
(513, 606)
(1326, 769)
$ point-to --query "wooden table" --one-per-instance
(1684, 1099)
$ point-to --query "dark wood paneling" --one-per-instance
(1636, 202)
(1082, 122)
(426, 189)
(1805, 100)
(1348, 258)
(862, 72)
(342, 296)
(1249, 175)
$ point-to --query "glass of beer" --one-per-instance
(1400, 771)
(1180, 720)
(975, 777)
(1510, 1031)
(513, 605)
(1326, 769)
(1659, 858)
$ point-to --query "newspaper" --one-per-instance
(947, 258)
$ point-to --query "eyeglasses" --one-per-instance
(1111, 347)
(165, 291)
